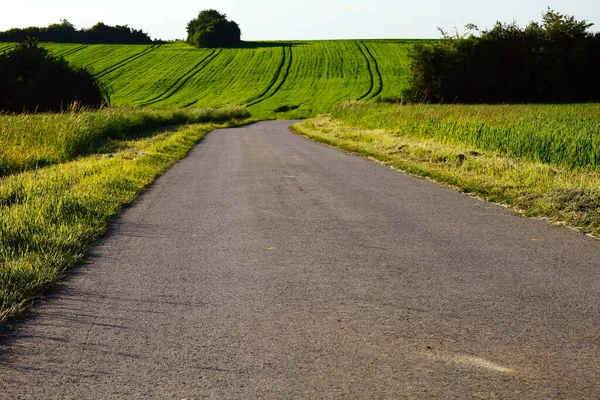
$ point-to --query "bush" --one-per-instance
(553, 62)
(212, 29)
(31, 79)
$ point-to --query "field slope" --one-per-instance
(274, 79)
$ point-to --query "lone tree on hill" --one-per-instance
(213, 29)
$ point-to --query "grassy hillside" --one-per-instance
(287, 79)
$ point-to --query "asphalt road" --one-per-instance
(265, 266)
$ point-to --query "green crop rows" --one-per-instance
(5, 47)
(274, 79)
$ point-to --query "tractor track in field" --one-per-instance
(73, 51)
(274, 86)
(273, 80)
(374, 75)
(128, 60)
(175, 55)
(377, 72)
(7, 47)
(180, 83)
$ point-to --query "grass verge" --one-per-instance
(32, 141)
(50, 217)
(566, 135)
(561, 194)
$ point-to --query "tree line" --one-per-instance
(65, 32)
(555, 61)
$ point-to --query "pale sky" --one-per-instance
(298, 19)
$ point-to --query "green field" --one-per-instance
(274, 79)
(64, 176)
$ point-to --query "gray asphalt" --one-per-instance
(265, 266)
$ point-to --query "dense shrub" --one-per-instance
(556, 61)
(65, 32)
(212, 29)
(31, 79)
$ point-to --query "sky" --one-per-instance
(296, 20)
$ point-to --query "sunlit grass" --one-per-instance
(563, 135)
(30, 141)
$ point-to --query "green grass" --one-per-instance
(426, 141)
(50, 216)
(562, 135)
(6, 47)
(275, 79)
(37, 140)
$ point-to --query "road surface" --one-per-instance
(266, 266)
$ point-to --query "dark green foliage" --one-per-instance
(101, 33)
(212, 29)
(65, 32)
(556, 61)
(31, 79)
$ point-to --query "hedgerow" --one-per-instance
(552, 62)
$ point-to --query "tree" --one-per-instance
(65, 32)
(556, 61)
(32, 79)
(213, 29)
(62, 32)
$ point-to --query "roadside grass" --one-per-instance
(50, 217)
(37, 140)
(561, 194)
(566, 135)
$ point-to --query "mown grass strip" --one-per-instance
(560, 194)
(49, 218)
